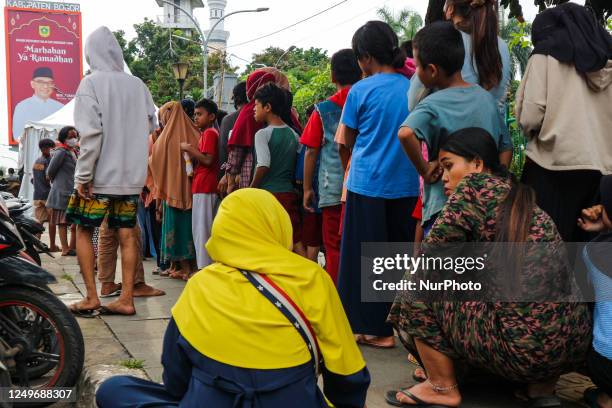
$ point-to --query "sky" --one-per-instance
(331, 30)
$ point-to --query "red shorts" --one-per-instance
(312, 227)
(289, 201)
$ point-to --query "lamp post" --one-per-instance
(283, 55)
(206, 39)
(180, 74)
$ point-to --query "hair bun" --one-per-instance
(477, 3)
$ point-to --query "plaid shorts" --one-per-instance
(120, 209)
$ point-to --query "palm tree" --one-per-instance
(406, 23)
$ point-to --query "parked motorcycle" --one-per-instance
(41, 344)
(28, 227)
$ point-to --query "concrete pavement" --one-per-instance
(140, 337)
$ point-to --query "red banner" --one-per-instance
(43, 64)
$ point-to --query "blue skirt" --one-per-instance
(370, 219)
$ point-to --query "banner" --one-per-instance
(43, 63)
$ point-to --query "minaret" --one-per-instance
(219, 37)
(173, 17)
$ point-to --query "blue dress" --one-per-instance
(193, 380)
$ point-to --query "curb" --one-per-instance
(93, 376)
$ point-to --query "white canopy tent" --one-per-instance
(33, 133)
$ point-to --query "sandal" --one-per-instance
(86, 313)
(391, 399)
(114, 293)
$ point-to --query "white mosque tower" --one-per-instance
(219, 37)
(174, 18)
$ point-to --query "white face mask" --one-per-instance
(72, 142)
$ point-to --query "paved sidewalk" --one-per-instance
(141, 336)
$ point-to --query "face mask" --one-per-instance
(71, 142)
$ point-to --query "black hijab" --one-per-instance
(570, 34)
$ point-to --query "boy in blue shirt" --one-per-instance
(599, 264)
(439, 54)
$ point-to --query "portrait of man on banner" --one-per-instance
(38, 106)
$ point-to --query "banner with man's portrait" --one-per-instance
(44, 63)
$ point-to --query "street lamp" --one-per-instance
(284, 54)
(180, 74)
(206, 38)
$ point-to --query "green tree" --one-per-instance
(152, 52)
(318, 88)
(298, 60)
(406, 23)
(516, 35)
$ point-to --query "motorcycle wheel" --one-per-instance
(46, 310)
(33, 253)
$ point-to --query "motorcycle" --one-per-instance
(29, 228)
(41, 344)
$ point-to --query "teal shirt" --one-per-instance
(445, 112)
(276, 148)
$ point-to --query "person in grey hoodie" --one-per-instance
(114, 113)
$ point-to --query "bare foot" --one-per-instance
(144, 290)
(377, 342)
(85, 304)
(426, 393)
(420, 374)
(120, 308)
(54, 248)
(178, 275)
(108, 288)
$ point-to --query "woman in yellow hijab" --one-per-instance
(252, 329)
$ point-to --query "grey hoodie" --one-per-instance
(114, 113)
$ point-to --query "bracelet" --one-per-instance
(439, 389)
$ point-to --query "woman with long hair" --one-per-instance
(523, 341)
(563, 107)
(487, 57)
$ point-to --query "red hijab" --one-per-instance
(243, 132)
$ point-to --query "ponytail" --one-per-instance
(378, 40)
(480, 21)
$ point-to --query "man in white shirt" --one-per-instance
(38, 106)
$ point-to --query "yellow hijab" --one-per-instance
(224, 316)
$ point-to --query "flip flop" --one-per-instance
(114, 293)
(72, 252)
(391, 399)
(105, 311)
(85, 313)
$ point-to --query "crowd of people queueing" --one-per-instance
(405, 150)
